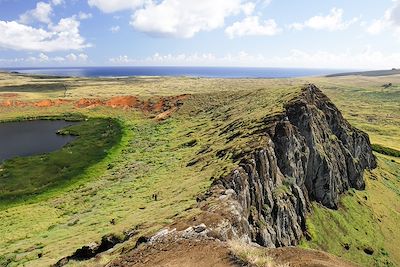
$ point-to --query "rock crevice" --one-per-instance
(313, 154)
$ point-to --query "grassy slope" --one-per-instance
(365, 218)
(24, 176)
(81, 215)
(367, 105)
(152, 158)
(368, 73)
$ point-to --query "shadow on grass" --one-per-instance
(34, 88)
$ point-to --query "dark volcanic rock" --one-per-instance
(338, 152)
(91, 250)
(313, 154)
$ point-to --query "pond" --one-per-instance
(27, 138)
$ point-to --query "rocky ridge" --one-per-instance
(312, 154)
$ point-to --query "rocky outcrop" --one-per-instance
(95, 248)
(313, 154)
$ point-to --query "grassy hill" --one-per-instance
(372, 73)
(175, 159)
(178, 158)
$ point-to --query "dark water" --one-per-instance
(218, 72)
(28, 138)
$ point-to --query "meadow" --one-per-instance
(178, 158)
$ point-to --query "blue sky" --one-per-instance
(266, 33)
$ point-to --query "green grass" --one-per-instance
(151, 160)
(365, 220)
(367, 105)
(386, 150)
(34, 87)
(24, 176)
(178, 158)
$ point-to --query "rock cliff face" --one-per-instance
(313, 154)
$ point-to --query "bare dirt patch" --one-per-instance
(124, 102)
(88, 102)
(298, 257)
(204, 253)
(161, 107)
(193, 253)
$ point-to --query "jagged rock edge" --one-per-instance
(313, 154)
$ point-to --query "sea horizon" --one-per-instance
(176, 71)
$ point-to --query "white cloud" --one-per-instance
(83, 15)
(62, 36)
(296, 26)
(58, 59)
(185, 18)
(121, 60)
(110, 6)
(168, 59)
(389, 21)
(74, 58)
(266, 2)
(57, 2)
(44, 59)
(176, 18)
(115, 29)
(358, 59)
(71, 57)
(331, 22)
(252, 26)
(248, 8)
(366, 58)
(377, 26)
(83, 57)
(41, 13)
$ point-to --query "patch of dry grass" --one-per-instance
(252, 255)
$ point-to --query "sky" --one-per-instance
(342, 34)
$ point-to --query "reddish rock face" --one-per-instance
(124, 102)
(161, 107)
(88, 102)
(44, 103)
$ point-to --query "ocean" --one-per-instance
(210, 72)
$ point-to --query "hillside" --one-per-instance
(211, 139)
(372, 73)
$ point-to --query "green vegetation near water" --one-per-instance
(176, 159)
(21, 177)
